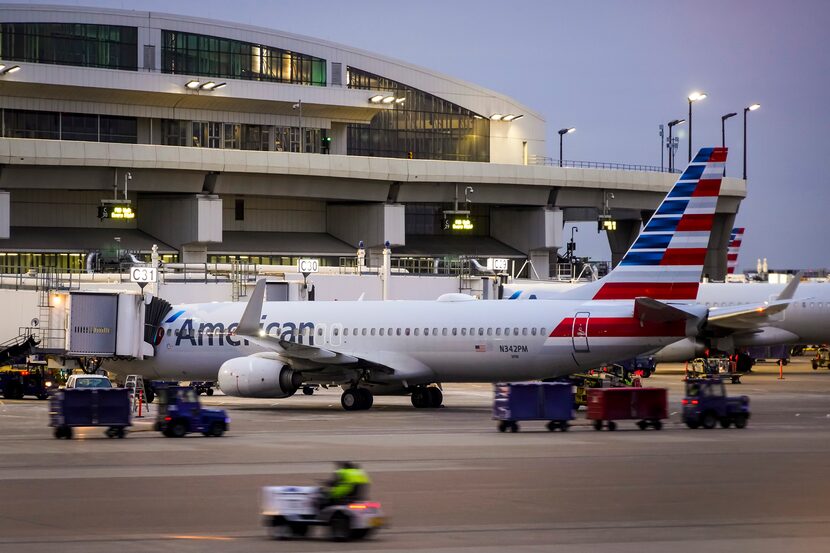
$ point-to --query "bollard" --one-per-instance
(140, 399)
(780, 369)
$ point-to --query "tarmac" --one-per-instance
(447, 479)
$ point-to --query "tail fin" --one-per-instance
(735, 240)
(666, 260)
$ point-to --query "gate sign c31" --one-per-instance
(307, 265)
(143, 274)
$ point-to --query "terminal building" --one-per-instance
(234, 143)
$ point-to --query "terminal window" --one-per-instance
(195, 54)
(85, 45)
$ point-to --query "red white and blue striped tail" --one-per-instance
(735, 240)
(666, 260)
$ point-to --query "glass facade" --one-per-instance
(236, 136)
(423, 126)
(85, 45)
(18, 123)
(194, 54)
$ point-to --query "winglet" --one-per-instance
(789, 290)
(249, 323)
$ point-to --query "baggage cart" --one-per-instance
(648, 406)
(71, 408)
(533, 401)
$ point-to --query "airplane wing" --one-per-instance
(752, 316)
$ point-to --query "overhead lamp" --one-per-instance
(693, 97)
(569, 130)
(208, 85)
(376, 99)
(388, 99)
(400, 100)
(192, 85)
(10, 70)
(696, 96)
(496, 117)
(753, 107)
(511, 117)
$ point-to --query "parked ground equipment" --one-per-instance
(706, 404)
(203, 387)
(179, 413)
(719, 367)
(15, 383)
(648, 406)
(290, 511)
(71, 408)
(533, 401)
(822, 358)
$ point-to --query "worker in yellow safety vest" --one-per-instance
(349, 483)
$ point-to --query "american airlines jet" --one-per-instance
(272, 349)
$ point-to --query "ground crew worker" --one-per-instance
(349, 483)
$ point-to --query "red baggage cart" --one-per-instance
(648, 406)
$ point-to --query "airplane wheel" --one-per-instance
(210, 391)
(308, 390)
(366, 399)
(420, 398)
(350, 399)
(434, 397)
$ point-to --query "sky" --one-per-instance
(615, 70)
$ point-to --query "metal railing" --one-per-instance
(40, 278)
(543, 160)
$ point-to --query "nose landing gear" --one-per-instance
(427, 397)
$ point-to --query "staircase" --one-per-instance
(16, 349)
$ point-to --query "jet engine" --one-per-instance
(255, 376)
(684, 350)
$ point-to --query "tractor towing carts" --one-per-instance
(706, 404)
(179, 413)
(290, 511)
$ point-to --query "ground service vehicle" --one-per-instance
(706, 404)
(525, 401)
(179, 413)
(290, 511)
(71, 408)
(30, 381)
(87, 381)
(822, 358)
(648, 406)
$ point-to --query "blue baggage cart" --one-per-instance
(533, 401)
(75, 407)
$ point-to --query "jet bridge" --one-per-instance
(110, 324)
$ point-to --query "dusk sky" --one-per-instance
(615, 70)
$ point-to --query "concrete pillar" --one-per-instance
(535, 231)
(622, 238)
(5, 214)
(373, 223)
(187, 222)
(338, 139)
(715, 264)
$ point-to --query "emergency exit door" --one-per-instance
(580, 331)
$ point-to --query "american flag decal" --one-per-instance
(481, 348)
(666, 260)
(735, 240)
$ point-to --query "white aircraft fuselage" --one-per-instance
(426, 341)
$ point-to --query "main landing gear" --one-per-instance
(356, 399)
(427, 397)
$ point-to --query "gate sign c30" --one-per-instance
(143, 274)
(308, 265)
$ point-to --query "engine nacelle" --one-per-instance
(255, 376)
(684, 350)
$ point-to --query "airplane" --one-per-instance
(272, 349)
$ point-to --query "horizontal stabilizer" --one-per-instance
(653, 311)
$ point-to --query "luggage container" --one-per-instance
(648, 406)
(533, 401)
(76, 407)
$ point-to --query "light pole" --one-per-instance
(563, 132)
(669, 144)
(693, 97)
(753, 107)
(662, 136)
(299, 105)
(723, 119)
